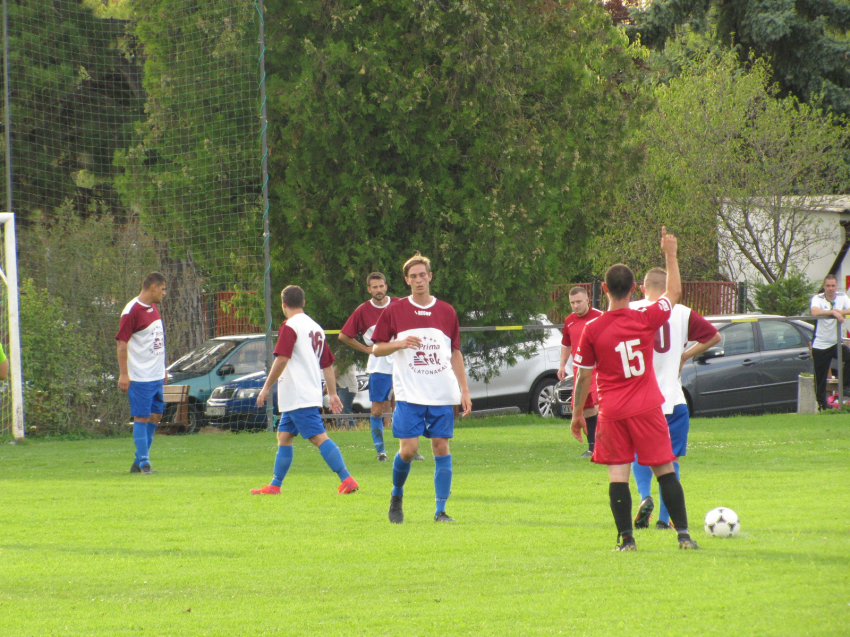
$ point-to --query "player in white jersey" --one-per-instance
(670, 354)
(302, 357)
(141, 364)
(830, 302)
(423, 335)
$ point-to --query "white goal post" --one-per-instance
(9, 274)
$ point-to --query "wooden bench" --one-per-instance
(177, 395)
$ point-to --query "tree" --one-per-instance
(488, 135)
(805, 41)
(729, 163)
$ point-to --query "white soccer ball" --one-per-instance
(722, 522)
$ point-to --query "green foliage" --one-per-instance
(789, 296)
(490, 136)
(806, 41)
(729, 162)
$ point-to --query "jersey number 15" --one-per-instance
(629, 356)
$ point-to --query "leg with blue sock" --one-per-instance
(282, 462)
(377, 423)
(332, 456)
(151, 430)
(663, 514)
(442, 484)
(140, 437)
(643, 479)
(401, 470)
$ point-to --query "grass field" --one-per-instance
(88, 549)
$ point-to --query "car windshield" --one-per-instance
(204, 358)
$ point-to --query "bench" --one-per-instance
(177, 395)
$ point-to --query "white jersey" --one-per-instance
(302, 341)
(825, 332)
(422, 376)
(141, 328)
(670, 341)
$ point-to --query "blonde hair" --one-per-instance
(416, 259)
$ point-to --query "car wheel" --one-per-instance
(195, 419)
(543, 402)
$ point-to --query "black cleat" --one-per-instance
(135, 468)
(442, 516)
(587, 454)
(147, 469)
(382, 457)
(687, 543)
(644, 513)
(626, 544)
(663, 526)
(396, 513)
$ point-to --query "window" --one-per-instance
(738, 339)
(780, 335)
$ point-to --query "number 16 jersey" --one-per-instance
(302, 341)
(619, 344)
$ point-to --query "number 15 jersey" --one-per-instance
(619, 344)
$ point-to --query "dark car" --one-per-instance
(234, 404)
(753, 369)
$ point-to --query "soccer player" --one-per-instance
(619, 344)
(141, 364)
(302, 357)
(422, 333)
(573, 327)
(362, 321)
(669, 355)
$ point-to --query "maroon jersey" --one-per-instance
(363, 321)
(619, 345)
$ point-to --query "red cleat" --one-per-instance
(349, 485)
(266, 490)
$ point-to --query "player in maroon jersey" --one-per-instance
(573, 327)
(619, 345)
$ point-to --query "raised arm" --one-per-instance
(669, 246)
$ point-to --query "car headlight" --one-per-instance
(362, 382)
(250, 392)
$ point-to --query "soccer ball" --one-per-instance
(722, 522)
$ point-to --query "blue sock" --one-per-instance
(663, 515)
(151, 431)
(140, 437)
(442, 480)
(643, 479)
(282, 462)
(400, 471)
(377, 432)
(330, 452)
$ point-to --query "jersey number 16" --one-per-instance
(628, 356)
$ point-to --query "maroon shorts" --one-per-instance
(646, 434)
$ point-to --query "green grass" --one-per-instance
(88, 549)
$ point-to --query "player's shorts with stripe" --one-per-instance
(380, 386)
(645, 434)
(432, 421)
(679, 423)
(146, 398)
(306, 421)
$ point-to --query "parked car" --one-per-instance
(753, 369)
(526, 386)
(214, 363)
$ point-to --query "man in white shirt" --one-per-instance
(824, 345)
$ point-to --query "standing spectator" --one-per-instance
(141, 364)
(573, 327)
(302, 357)
(423, 335)
(825, 343)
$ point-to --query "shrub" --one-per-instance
(789, 296)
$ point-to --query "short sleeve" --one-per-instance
(699, 329)
(565, 339)
(327, 358)
(658, 313)
(585, 354)
(455, 333)
(815, 302)
(126, 327)
(285, 341)
(385, 328)
(352, 325)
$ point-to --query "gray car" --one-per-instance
(752, 370)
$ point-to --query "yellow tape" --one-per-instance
(332, 331)
(744, 320)
(508, 328)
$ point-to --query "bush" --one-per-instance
(790, 296)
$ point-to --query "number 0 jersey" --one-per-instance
(670, 341)
(619, 344)
(302, 341)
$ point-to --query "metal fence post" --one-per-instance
(596, 297)
(840, 347)
(742, 297)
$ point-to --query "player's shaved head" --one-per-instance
(293, 296)
(619, 279)
(577, 290)
(656, 280)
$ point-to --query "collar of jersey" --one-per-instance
(381, 307)
(424, 307)
(143, 304)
